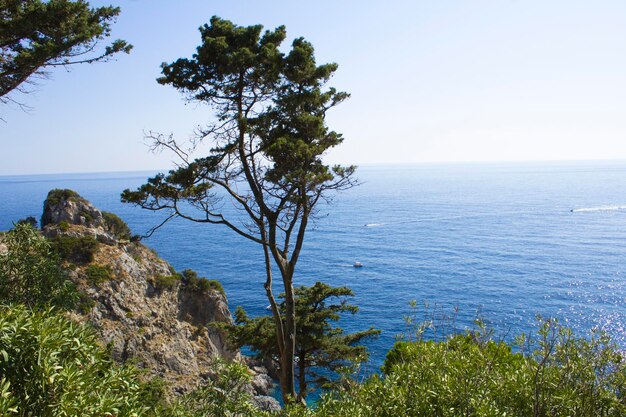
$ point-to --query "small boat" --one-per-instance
(357, 264)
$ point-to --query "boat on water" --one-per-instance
(357, 264)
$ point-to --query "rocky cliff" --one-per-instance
(138, 304)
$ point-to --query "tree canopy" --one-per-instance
(36, 35)
(262, 151)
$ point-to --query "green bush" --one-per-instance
(116, 225)
(166, 282)
(194, 283)
(64, 225)
(30, 273)
(214, 284)
(97, 274)
(57, 368)
(551, 374)
(30, 220)
(79, 249)
(225, 395)
(56, 195)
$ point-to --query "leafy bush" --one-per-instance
(30, 220)
(79, 249)
(166, 282)
(193, 282)
(97, 274)
(64, 225)
(214, 284)
(56, 195)
(116, 225)
(57, 368)
(553, 374)
(190, 280)
(30, 273)
(226, 395)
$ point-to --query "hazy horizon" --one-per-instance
(362, 165)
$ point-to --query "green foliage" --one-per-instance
(318, 344)
(226, 395)
(194, 283)
(51, 366)
(30, 273)
(469, 375)
(190, 280)
(64, 225)
(57, 368)
(30, 220)
(78, 249)
(166, 282)
(37, 35)
(56, 195)
(97, 274)
(116, 225)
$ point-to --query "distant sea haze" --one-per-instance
(508, 240)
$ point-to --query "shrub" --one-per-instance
(225, 395)
(57, 368)
(116, 225)
(79, 249)
(552, 374)
(64, 225)
(30, 220)
(194, 283)
(97, 274)
(30, 273)
(56, 195)
(166, 282)
(214, 284)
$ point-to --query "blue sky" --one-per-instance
(431, 81)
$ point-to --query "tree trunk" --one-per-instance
(287, 365)
(302, 377)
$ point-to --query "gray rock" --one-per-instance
(266, 403)
(67, 206)
(262, 384)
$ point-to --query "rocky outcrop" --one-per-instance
(64, 208)
(140, 307)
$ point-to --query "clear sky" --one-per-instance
(431, 81)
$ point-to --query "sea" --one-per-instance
(505, 242)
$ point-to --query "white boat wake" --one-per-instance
(599, 208)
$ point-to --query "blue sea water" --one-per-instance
(510, 240)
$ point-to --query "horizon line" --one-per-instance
(365, 164)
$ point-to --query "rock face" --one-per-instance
(140, 307)
(68, 206)
(64, 208)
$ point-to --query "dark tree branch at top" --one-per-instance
(37, 35)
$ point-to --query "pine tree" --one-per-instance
(321, 349)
